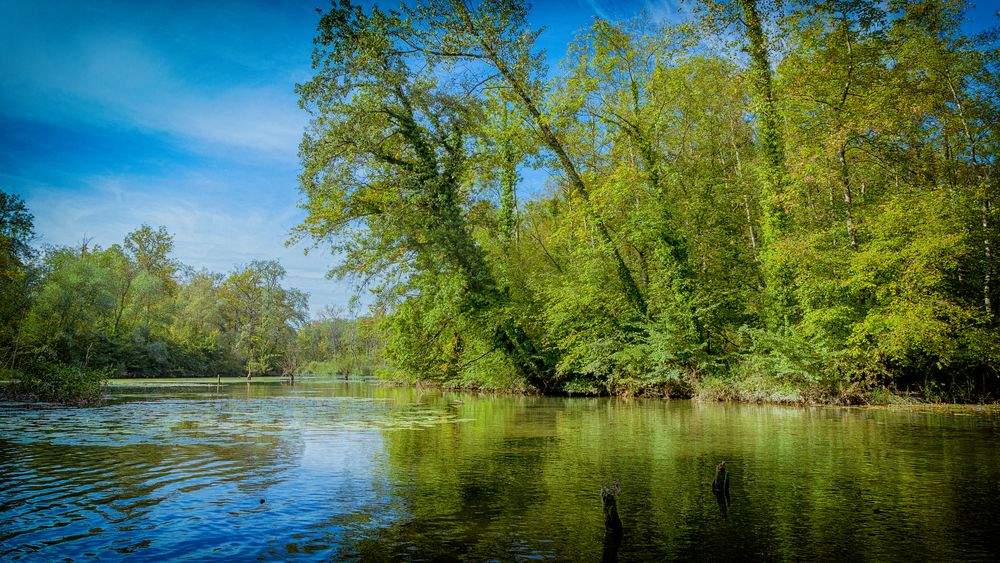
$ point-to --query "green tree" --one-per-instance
(73, 303)
(261, 314)
(387, 171)
(496, 34)
(16, 233)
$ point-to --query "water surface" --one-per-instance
(324, 469)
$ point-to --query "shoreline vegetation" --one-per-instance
(68, 387)
(59, 385)
(761, 390)
(724, 215)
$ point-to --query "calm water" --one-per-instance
(330, 470)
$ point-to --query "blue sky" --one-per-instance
(182, 114)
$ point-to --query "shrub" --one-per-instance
(57, 383)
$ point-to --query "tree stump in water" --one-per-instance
(612, 522)
(720, 488)
(721, 482)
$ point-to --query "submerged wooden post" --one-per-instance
(721, 482)
(612, 522)
(720, 488)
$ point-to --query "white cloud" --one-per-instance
(58, 71)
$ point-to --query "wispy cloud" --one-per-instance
(669, 11)
(118, 71)
(596, 7)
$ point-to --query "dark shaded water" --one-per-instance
(358, 471)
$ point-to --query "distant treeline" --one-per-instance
(133, 310)
(770, 201)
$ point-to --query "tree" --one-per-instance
(74, 302)
(261, 314)
(199, 314)
(386, 169)
(496, 34)
(16, 234)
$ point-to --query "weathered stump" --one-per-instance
(720, 488)
(723, 499)
(613, 530)
(721, 482)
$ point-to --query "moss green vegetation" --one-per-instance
(814, 223)
(347, 365)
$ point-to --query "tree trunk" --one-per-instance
(845, 181)
(753, 238)
(612, 522)
(774, 217)
(629, 285)
(438, 188)
(770, 132)
(985, 183)
(987, 256)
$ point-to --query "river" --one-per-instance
(325, 469)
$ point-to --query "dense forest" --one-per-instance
(768, 202)
(71, 316)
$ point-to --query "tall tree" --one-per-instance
(261, 313)
(496, 34)
(386, 166)
(16, 233)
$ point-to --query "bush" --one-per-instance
(57, 383)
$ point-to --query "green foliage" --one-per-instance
(17, 277)
(791, 356)
(388, 164)
(715, 224)
(56, 383)
(338, 346)
(261, 314)
(907, 272)
(818, 224)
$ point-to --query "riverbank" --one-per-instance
(75, 388)
(749, 390)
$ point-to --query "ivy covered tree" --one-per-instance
(387, 179)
